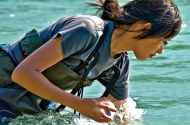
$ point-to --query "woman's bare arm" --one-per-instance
(28, 73)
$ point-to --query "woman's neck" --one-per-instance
(121, 41)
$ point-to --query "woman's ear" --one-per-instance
(146, 26)
(138, 26)
(141, 26)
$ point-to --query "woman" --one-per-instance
(140, 26)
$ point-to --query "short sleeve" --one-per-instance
(121, 88)
(120, 91)
(78, 36)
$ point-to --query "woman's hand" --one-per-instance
(91, 109)
(119, 104)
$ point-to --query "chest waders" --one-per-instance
(15, 52)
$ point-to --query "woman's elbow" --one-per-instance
(19, 74)
(15, 75)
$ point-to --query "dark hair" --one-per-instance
(163, 15)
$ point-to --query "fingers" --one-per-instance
(100, 115)
(102, 118)
(103, 104)
(104, 107)
(107, 107)
(96, 109)
(120, 105)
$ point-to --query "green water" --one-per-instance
(160, 85)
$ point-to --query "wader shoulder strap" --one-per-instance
(113, 81)
(17, 51)
(91, 60)
(92, 55)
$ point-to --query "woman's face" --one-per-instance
(143, 48)
(148, 47)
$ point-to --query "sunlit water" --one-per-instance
(159, 87)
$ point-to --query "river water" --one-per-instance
(159, 86)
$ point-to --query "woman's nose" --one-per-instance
(160, 50)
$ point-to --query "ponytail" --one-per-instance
(110, 9)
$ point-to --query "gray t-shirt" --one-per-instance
(80, 35)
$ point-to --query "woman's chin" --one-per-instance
(141, 58)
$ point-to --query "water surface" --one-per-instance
(159, 85)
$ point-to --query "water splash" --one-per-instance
(67, 117)
(127, 113)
